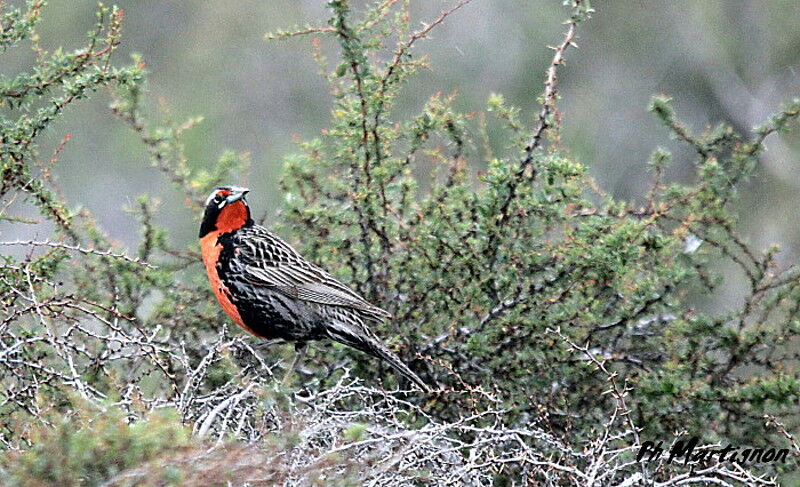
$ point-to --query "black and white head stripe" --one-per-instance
(225, 194)
(217, 197)
(217, 201)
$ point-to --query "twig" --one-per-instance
(77, 248)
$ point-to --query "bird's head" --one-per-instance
(226, 211)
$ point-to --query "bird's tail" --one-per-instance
(364, 340)
(379, 350)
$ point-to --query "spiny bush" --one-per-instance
(501, 247)
(551, 315)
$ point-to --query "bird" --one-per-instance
(271, 291)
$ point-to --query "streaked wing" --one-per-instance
(272, 262)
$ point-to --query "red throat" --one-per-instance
(232, 217)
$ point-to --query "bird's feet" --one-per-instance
(299, 354)
(264, 344)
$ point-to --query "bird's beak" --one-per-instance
(237, 193)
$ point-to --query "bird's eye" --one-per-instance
(218, 197)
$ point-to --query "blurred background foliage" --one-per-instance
(722, 61)
(587, 241)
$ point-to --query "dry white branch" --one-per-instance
(77, 248)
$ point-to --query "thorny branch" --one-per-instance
(547, 113)
(544, 122)
(78, 248)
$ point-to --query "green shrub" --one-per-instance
(92, 445)
(550, 314)
(484, 257)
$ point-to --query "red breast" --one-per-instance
(230, 219)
